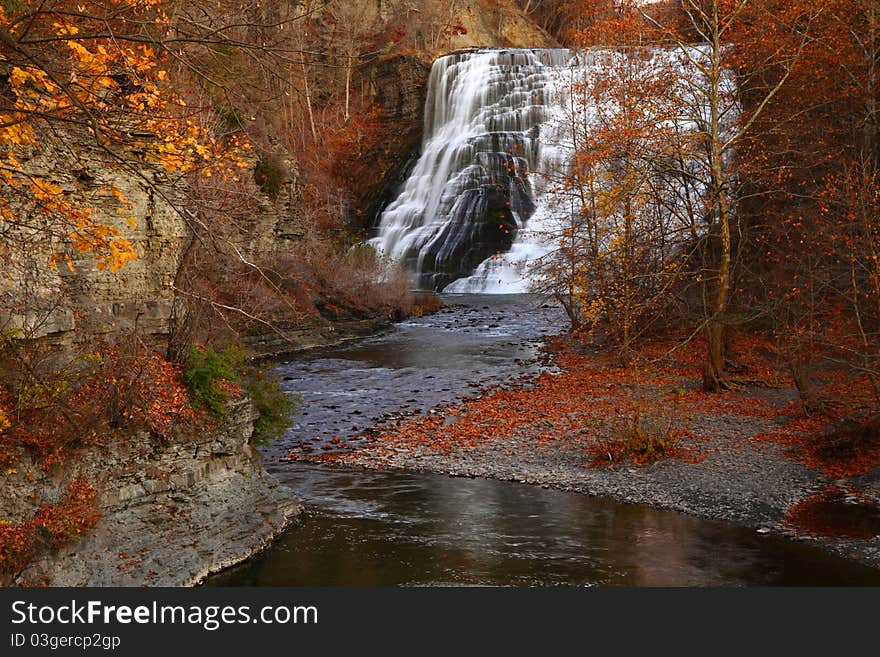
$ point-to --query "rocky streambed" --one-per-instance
(749, 488)
(515, 511)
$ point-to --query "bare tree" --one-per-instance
(724, 124)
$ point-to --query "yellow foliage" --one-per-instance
(108, 85)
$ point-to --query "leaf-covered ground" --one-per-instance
(648, 433)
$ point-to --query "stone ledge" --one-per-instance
(170, 514)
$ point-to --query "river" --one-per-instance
(370, 528)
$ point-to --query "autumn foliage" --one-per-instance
(836, 513)
(53, 526)
(654, 409)
(737, 257)
(100, 71)
(748, 201)
(107, 394)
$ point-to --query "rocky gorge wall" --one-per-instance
(169, 514)
(60, 303)
(154, 210)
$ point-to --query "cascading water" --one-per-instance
(480, 207)
(470, 195)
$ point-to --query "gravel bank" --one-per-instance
(740, 480)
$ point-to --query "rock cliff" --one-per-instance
(154, 210)
(170, 514)
(178, 510)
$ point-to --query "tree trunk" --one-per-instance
(872, 124)
(348, 88)
(714, 376)
(308, 98)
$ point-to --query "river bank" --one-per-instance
(746, 456)
(162, 512)
(167, 513)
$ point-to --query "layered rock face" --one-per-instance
(179, 510)
(498, 23)
(398, 86)
(61, 303)
(170, 514)
(153, 209)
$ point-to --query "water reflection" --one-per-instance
(397, 529)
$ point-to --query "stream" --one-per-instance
(372, 528)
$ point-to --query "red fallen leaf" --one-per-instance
(829, 513)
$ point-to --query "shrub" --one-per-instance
(231, 120)
(426, 303)
(647, 432)
(647, 438)
(109, 392)
(214, 376)
(850, 437)
(208, 376)
(53, 526)
(273, 405)
(357, 284)
(269, 174)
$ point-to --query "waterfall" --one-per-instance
(471, 195)
(482, 203)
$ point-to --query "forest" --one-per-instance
(193, 189)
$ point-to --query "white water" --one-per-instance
(509, 273)
(489, 112)
(477, 102)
